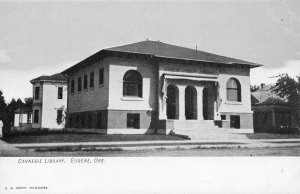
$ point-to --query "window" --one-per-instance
(91, 79)
(59, 116)
(79, 84)
(77, 121)
(28, 118)
(233, 90)
(85, 79)
(90, 120)
(70, 121)
(101, 76)
(132, 84)
(133, 121)
(36, 116)
(72, 86)
(60, 93)
(83, 120)
(223, 117)
(99, 120)
(235, 121)
(37, 93)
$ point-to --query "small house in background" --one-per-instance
(49, 102)
(23, 119)
(271, 112)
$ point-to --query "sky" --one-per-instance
(43, 38)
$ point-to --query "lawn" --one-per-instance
(83, 137)
(268, 151)
(272, 136)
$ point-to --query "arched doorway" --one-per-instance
(172, 102)
(190, 103)
(205, 103)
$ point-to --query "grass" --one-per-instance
(272, 136)
(83, 137)
(75, 149)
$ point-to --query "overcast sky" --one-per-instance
(43, 38)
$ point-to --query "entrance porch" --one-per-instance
(190, 106)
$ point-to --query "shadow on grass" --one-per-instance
(84, 137)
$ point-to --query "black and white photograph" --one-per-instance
(150, 96)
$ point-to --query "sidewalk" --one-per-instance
(183, 144)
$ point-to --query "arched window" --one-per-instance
(132, 84)
(233, 90)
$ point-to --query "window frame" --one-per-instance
(37, 90)
(135, 124)
(36, 115)
(72, 87)
(79, 85)
(92, 79)
(59, 115)
(101, 76)
(136, 86)
(58, 92)
(233, 94)
(28, 117)
(85, 82)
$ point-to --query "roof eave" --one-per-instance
(108, 51)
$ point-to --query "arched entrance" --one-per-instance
(190, 103)
(172, 102)
(205, 103)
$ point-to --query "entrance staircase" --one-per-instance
(203, 129)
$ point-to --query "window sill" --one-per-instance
(233, 102)
(101, 85)
(129, 98)
(91, 88)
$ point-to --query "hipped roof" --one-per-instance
(54, 77)
(162, 50)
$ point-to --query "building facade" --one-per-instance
(49, 102)
(153, 87)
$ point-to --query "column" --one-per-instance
(199, 102)
(181, 96)
(162, 103)
(162, 109)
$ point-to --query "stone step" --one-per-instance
(219, 136)
(201, 132)
(203, 129)
(227, 135)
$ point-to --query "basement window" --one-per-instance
(133, 120)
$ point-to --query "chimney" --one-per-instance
(262, 85)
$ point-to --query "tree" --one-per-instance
(3, 113)
(288, 88)
(254, 88)
(3, 106)
(28, 102)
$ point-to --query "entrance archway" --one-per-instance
(190, 103)
(172, 102)
(205, 103)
